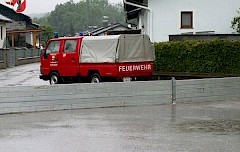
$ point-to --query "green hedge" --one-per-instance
(218, 56)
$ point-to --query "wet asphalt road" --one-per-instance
(199, 127)
(196, 127)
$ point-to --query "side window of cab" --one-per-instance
(53, 47)
(70, 46)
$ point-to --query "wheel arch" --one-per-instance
(91, 72)
(52, 71)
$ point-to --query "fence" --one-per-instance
(75, 96)
(18, 56)
(3, 63)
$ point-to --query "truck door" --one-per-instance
(49, 61)
(69, 58)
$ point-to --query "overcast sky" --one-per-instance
(41, 6)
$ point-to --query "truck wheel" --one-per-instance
(95, 78)
(54, 78)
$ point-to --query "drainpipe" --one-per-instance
(150, 16)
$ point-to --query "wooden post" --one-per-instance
(39, 39)
(5, 58)
(34, 40)
(19, 44)
(12, 39)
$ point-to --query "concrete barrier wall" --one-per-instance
(217, 89)
(75, 96)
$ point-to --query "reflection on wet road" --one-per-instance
(198, 127)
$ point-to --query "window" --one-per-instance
(186, 20)
(53, 47)
(1, 32)
(70, 46)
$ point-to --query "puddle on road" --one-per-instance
(222, 127)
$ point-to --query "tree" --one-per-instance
(236, 22)
(42, 20)
(71, 30)
(47, 34)
(70, 18)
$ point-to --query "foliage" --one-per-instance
(42, 20)
(70, 18)
(236, 22)
(47, 34)
(217, 56)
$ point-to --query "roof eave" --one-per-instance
(132, 12)
(7, 21)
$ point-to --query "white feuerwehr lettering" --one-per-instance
(126, 68)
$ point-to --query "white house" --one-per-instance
(161, 18)
(3, 22)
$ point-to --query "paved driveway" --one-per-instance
(21, 76)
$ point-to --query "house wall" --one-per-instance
(213, 15)
(143, 22)
(3, 34)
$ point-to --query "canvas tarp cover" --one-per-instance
(97, 49)
(135, 48)
(116, 48)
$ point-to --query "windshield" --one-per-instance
(53, 47)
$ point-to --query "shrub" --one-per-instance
(216, 56)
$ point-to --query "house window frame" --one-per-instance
(191, 20)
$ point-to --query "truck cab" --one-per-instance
(60, 57)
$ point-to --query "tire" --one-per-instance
(95, 78)
(54, 78)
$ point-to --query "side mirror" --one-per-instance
(43, 52)
(45, 55)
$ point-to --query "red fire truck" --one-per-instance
(97, 58)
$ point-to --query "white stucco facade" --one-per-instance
(208, 15)
(2, 33)
(3, 29)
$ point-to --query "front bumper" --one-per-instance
(44, 77)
